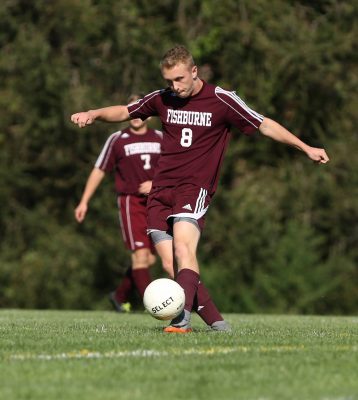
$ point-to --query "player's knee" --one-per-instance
(141, 259)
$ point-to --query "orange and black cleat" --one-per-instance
(177, 329)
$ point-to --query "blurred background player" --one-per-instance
(132, 154)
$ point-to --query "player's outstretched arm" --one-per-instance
(93, 181)
(277, 132)
(107, 114)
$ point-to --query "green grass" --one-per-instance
(104, 355)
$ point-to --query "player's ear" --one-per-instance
(194, 72)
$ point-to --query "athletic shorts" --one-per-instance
(165, 203)
(133, 221)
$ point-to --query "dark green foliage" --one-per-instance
(281, 234)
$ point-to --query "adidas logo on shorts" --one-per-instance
(187, 207)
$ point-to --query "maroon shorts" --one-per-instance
(166, 203)
(133, 220)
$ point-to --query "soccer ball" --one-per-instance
(164, 299)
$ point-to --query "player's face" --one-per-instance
(182, 79)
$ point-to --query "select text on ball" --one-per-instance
(164, 304)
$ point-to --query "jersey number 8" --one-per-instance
(186, 137)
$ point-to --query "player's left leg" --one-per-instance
(119, 297)
(186, 238)
(207, 310)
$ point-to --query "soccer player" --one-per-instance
(196, 118)
(132, 154)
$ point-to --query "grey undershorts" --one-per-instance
(158, 236)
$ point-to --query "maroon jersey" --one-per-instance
(132, 157)
(196, 131)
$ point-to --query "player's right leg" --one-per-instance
(163, 242)
(140, 269)
(186, 237)
(164, 248)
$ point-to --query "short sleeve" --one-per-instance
(145, 107)
(106, 161)
(238, 113)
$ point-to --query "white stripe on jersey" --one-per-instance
(150, 96)
(248, 109)
(107, 148)
(240, 102)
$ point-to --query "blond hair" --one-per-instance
(177, 55)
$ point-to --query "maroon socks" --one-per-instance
(124, 288)
(205, 307)
(189, 281)
(142, 279)
(133, 278)
(197, 296)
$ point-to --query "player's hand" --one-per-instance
(145, 187)
(317, 155)
(83, 119)
(80, 212)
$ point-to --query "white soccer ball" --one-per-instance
(164, 299)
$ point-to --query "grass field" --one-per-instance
(104, 355)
